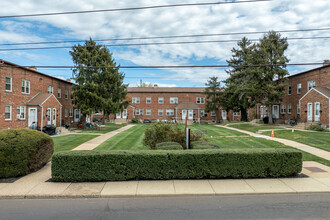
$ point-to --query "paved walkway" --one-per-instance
(312, 150)
(91, 144)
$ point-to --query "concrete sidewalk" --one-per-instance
(312, 150)
(315, 177)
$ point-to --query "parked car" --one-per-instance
(146, 121)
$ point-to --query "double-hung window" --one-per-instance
(311, 84)
(213, 113)
(148, 111)
(148, 100)
(200, 100)
(8, 110)
(136, 100)
(237, 113)
(50, 89)
(66, 94)
(289, 90)
(21, 112)
(160, 100)
(9, 82)
(173, 100)
(59, 92)
(160, 112)
(71, 112)
(282, 108)
(289, 108)
(299, 88)
(139, 111)
(25, 86)
(169, 112)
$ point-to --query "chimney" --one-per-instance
(68, 80)
(33, 68)
(155, 86)
(326, 62)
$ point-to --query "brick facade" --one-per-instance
(34, 83)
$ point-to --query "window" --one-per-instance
(66, 112)
(66, 94)
(71, 112)
(298, 108)
(299, 88)
(174, 100)
(139, 111)
(9, 82)
(160, 100)
(200, 100)
(136, 100)
(148, 111)
(202, 112)
(59, 93)
(170, 112)
(311, 84)
(20, 112)
(237, 113)
(289, 108)
(282, 108)
(289, 90)
(160, 112)
(213, 113)
(8, 112)
(50, 89)
(26, 86)
(148, 100)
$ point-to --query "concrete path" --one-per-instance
(315, 177)
(312, 150)
(91, 144)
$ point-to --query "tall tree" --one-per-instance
(99, 84)
(212, 92)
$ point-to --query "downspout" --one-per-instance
(42, 117)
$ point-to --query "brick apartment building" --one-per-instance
(306, 99)
(28, 96)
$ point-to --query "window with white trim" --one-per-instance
(160, 100)
(21, 112)
(200, 100)
(25, 86)
(139, 111)
(237, 113)
(170, 112)
(289, 90)
(66, 94)
(50, 89)
(148, 111)
(160, 112)
(8, 110)
(282, 108)
(66, 112)
(136, 100)
(173, 100)
(71, 112)
(298, 109)
(311, 84)
(289, 108)
(59, 92)
(299, 88)
(202, 112)
(148, 100)
(9, 82)
(213, 113)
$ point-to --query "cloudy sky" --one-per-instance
(276, 15)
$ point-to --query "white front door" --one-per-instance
(184, 114)
(317, 111)
(49, 116)
(310, 111)
(124, 114)
(261, 112)
(276, 111)
(33, 116)
(190, 114)
(54, 116)
(118, 115)
(224, 114)
(76, 115)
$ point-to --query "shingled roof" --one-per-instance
(324, 90)
(187, 105)
(166, 89)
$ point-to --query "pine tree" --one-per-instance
(212, 92)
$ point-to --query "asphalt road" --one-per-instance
(279, 206)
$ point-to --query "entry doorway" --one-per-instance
(33, 116)
(54, 116)
(190, 114)
(276, 111)
(224, 114)
(49, 116)
(310, 111)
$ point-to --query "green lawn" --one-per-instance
(68, 142)
(108, 127)
(316, 139)
(130, 139)
(254, 128)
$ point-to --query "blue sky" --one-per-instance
(247, 17)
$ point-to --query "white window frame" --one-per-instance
(21, 112)
(139, 111)
(66, 94)
(148, 100)
(213, 113)
(10, 112)
(71, 112)
(298, 108)
(170, 112)
(283, 109)
(26, 86)
(160, 100)
(160, 112)
(289, 89)
(11, 84)
(202, 112)
(312, 82)
(317, 116)
(136, 100)
(200, 100)
(59, 92)
(174, 100)
(289, 108)
(299, 88)
(237, 113)
(50, 89)
(66, 112)
(148, 111)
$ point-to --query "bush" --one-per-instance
(169, 146)
(316, 128)
(135, 120)
(79, 166)
(23, 151)
(160, 132)
(203, 145)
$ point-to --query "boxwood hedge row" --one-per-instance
(80, 166)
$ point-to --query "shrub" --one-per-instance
(316, 128)
(203, 145)
(169, 146)
(160, 132)
(23, 151)
(79, 166)
(135, 120)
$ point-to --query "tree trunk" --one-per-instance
(270, 114)
(244, 116)
(83, 121)
(103, 119)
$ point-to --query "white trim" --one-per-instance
(319, 116)
(311, 110)
(29, 122)
(11, 83)
(11, 113)
(50, 116)
(315, 91)
(49, 97)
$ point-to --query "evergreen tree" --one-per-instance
(212, 92)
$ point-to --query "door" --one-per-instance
(184, 114)
(261, 112)
(33, 116)
(124, 114)
(49, 116)
(317, 111)
(276, 111)
(309, 111)
(54, 116)
(76, 115)
(190, 114)
(224, 114)
(118, 115)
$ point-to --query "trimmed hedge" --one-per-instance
(23, 151)
(195, 145)
(169, 146)
(80, 166)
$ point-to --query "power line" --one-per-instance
(157, 43)
(165, 37)
(131, 9)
